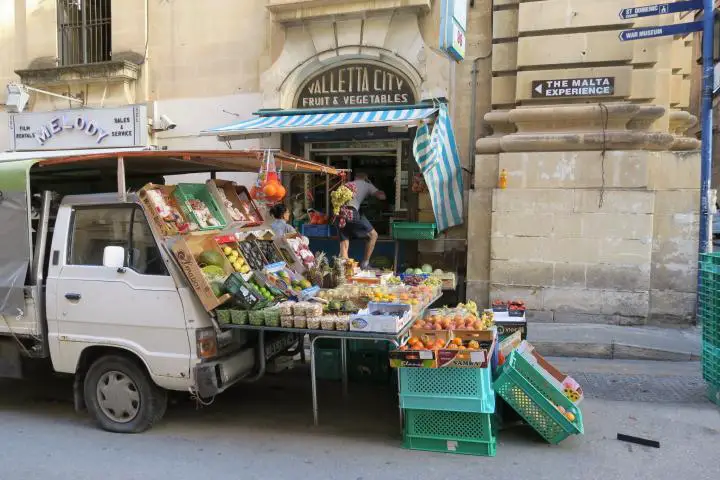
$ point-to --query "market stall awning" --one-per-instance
(288, 121)
(189, 161)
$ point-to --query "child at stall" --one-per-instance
(280, 226)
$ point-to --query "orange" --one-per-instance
(280, 194)
(457, 341)
(270, 190)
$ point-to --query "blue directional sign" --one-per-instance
(660, 9)
(660, 31)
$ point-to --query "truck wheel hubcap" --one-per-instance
(118, 396)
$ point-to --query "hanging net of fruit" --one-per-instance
(267, 188)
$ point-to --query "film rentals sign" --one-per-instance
(356, 84)
(574, 87)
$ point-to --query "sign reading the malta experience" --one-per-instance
(574, 87)
(82, 128)
(356, 84)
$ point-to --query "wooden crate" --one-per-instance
(162, 226)
(239, 197)
(185, 249)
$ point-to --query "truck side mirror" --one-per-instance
(114, 257)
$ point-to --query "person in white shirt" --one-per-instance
(358, 226)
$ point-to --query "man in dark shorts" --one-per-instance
(359, 226)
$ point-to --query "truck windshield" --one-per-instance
(97, 227)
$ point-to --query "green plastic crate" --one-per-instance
(713, 393)
(711, 363)
(450, 432)
(532, 396)
(368, 366)
(327, 364)
(448, 388)
(198, 191)
(413, 230)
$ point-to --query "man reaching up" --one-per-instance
(358, 226)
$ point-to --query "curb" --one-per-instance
(612, 351)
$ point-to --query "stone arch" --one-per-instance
(393, 40)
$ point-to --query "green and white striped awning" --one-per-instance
(290, 121)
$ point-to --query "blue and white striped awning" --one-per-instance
(308, 121)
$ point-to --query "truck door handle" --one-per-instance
(73, 297)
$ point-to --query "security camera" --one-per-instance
(165, 123)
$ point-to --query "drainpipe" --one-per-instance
(146, 61)
(706, 118)
(473, 111)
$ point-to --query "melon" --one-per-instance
(409, 271)
(427, 268)
(211, 257)
(418, 271)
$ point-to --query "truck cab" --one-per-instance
(88, 287)
(128, 321)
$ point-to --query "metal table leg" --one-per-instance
(344, 366)
(313, 379)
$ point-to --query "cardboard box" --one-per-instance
(427, 216)
(448, 357)
(507, 325)
(424, 202)
(185, 250)
(239, 197)
(365, 321)
(565, 383)
(170, 225)
(479, 358)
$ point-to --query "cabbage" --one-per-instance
(427, 268)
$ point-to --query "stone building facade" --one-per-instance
(599, 219)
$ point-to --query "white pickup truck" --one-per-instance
(128, 332)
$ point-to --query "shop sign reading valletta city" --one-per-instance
(356, 85)
(574, 87)
(84, 128)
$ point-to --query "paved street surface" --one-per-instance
(265, 431)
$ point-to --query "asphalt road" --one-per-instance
(265, 431)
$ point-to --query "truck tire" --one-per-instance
(121, 396)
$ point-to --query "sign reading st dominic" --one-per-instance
(356, 84)
(661, 30)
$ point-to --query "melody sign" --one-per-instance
(80, 129)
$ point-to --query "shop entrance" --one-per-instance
(389, 165)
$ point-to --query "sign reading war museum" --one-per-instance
(82, 128)
(356, 84)
(574, 87)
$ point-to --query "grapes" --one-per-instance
(340, 197)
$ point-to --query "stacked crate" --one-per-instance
(448, 409)
(709, 314)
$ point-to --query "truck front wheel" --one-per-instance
(121, 396)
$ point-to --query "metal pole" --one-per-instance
(707, 124)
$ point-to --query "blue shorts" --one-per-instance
(358, 227)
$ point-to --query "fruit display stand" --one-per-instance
(318, 333)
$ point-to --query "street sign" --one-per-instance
(574, 87)
(660, 9)
(660, 31)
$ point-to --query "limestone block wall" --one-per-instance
(582, 238)
(599, 221)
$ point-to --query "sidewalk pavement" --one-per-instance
(615, 342)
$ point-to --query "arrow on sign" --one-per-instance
(661, 31)
(660, 9)
(539, 89)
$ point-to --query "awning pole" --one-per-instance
(122, 190)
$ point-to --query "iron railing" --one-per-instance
(84, 31)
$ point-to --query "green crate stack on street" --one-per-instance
(709, 315)
(449, 409)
